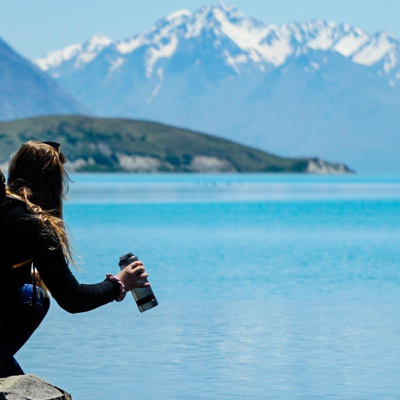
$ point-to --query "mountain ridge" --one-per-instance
(298, 89)
(25, 90)
(316, 34)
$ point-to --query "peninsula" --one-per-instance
(124, 145)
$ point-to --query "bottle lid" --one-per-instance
(125, 257)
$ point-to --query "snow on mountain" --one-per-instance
(372, 52)
(351, 41)
(257, 42)
(216, 70)
(82, 53)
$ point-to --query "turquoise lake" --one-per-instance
(269, 287)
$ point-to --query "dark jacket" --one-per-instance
(23, 242)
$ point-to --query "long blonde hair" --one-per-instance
(37, 177)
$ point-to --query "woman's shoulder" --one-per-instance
(20, 221)
(24, 224)
(17, 212)
(19, 231)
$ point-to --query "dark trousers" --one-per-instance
(18, 323)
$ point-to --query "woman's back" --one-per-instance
(24, 243)
(19, 246)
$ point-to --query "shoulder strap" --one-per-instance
(2, 188)
(6, 203)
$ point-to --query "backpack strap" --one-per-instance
(2, 188)
(6, 203)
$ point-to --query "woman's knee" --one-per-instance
(24, 318)
(8, 364)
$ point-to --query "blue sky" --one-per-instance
(35, 27)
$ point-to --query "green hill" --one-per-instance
(98, 144)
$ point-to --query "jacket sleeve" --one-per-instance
(71, 295)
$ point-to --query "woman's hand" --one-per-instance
(131, 276)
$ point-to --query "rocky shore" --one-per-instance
(30, 387)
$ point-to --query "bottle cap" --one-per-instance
(125, 257)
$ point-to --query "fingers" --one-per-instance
(139, 277)
(138, 270)
(134, 264)
(135, 268)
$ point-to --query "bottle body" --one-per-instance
(144, 297)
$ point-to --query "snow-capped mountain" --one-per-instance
(298, 89)
(241, 41)
(25, 90)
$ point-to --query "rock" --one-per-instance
(134, 163)
(206, 164)
(30, 387)
(318, 166)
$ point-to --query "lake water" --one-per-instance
(269, 287)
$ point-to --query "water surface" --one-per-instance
(270, 287)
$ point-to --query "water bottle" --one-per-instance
(144, 297)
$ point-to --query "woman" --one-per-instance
(35, 252)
